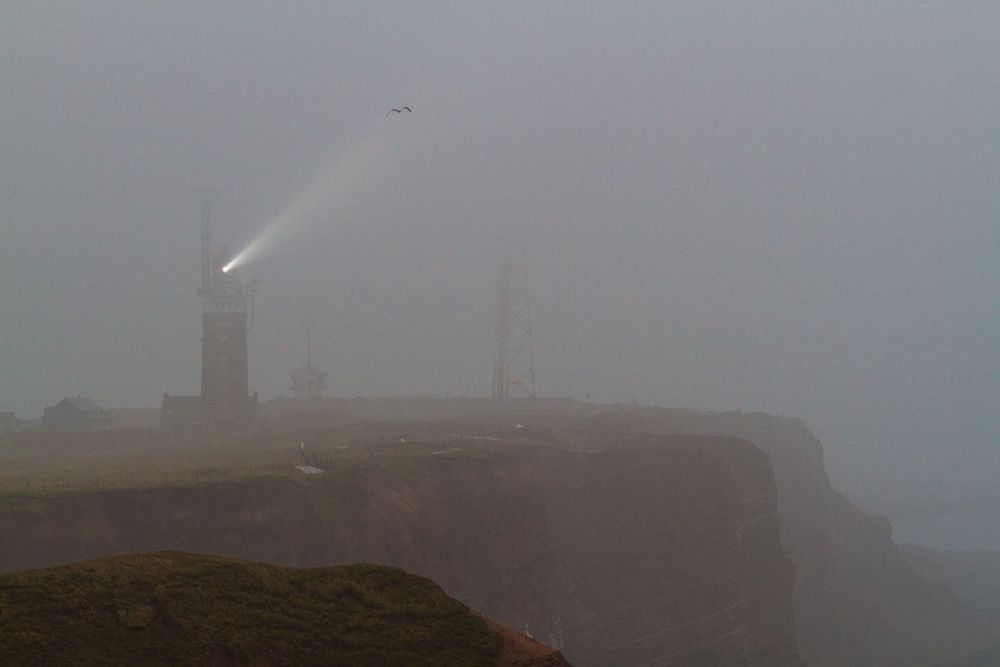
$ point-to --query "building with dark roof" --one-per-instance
(9, 423)
(76, 414)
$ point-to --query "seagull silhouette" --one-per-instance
(400, 110)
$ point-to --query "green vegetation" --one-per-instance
(180, 609)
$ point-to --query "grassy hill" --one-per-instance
(179, 609)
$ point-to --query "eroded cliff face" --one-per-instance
(567, 542)
(857, 600)
(666, 552)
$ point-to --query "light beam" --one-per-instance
(345, 177)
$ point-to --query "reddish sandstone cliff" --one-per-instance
(665, 552)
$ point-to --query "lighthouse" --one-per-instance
(225, 309)
(225, 402)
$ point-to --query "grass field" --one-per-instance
(38, 462)
(180, 609)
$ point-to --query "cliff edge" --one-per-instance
(181, 609)
(858, 601)
(667, 552)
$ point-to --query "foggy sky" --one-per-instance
(787, 207)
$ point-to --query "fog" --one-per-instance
(785, 207)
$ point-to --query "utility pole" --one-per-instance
(514, 365)
(308, 381)
(308, 326)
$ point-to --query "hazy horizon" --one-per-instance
(780, 207)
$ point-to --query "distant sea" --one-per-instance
(987, 657)
(964, 530)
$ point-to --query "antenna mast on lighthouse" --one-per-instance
(206, 238)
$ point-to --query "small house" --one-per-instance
(76, 414)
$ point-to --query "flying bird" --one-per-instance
(400, 110)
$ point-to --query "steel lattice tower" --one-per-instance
(514, 366)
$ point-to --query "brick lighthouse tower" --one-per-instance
(225, 305)
(226, 318)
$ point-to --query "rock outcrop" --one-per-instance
(182, 609)
(624, 535)
(858, 602)
(665, 552)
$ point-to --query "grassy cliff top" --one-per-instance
(180, 609)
